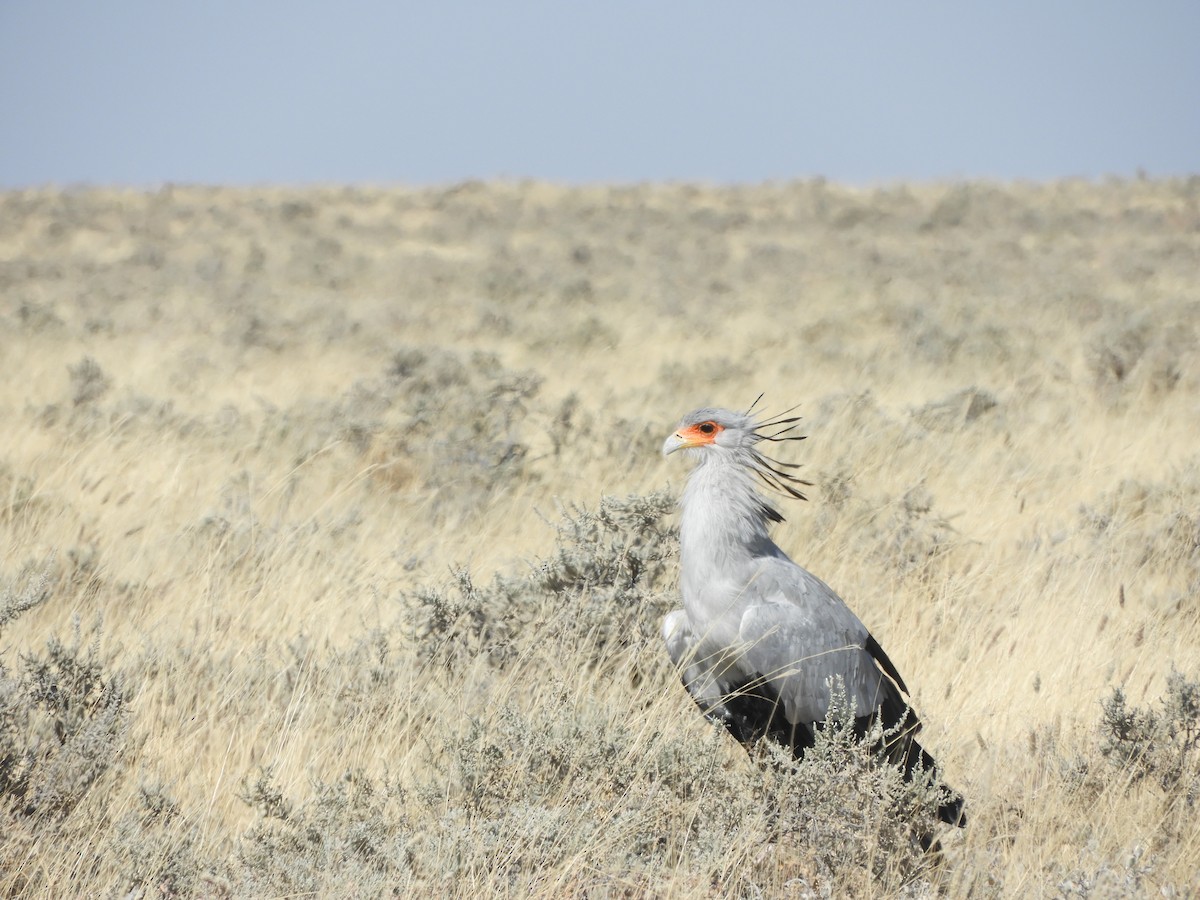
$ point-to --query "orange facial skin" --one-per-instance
(699, 435)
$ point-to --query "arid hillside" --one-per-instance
(336, 537)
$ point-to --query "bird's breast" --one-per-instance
(715, 600)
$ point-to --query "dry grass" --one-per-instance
(307, 488)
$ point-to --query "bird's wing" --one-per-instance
(700, 672)
(797, 635)
(678, 637)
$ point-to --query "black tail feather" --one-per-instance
(899, 745)
(753, 712)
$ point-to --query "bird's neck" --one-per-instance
(723, 522)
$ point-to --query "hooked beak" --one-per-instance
(675, 442)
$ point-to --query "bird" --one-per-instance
(760, 641)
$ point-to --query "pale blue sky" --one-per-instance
(142, 93)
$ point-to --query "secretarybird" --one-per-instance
(760, 641)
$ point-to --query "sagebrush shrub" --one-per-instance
(62, 718)
(1160, 743)
(603, 586)
(349, 834)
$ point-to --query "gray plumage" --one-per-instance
(760, 641)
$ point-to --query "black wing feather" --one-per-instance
(889, 667)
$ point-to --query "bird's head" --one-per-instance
(734, 437)
(708, 429)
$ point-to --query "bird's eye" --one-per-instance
(706, 428)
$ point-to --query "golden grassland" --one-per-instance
(254, 438)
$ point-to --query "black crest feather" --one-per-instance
(774, 473)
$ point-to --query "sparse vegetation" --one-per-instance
(336, 541)
(1163, 744)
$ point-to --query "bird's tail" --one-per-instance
(919, 764)
(899, 746)
(951, 810)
